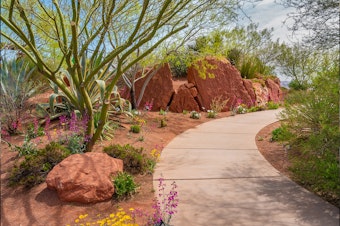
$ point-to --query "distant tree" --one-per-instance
(319, 18)
(298, 63)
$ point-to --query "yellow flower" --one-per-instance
(112, 215)
(76, 220)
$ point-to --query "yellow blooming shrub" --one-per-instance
(121, 218)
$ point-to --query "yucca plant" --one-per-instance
(15, 89)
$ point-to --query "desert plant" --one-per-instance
(165, 206)
(35, 166)
(163, 122)
(218, 104)
(135, 160)
(272, 105)
(15, 89)
(211, 114)
(34, 130)
(135, 128)
(195, 115)
(124, 185)
(312, 116)
(281, 133)
(162, 112)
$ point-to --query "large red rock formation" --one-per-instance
(248, 85)
(184, 99)
(275, 92)
(261, 92)
(217, 77)
(159, 89)
(84, 178)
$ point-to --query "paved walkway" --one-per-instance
(223, 179)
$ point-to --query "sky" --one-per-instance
(269, 14)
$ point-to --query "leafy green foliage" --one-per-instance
(271, 105)
(281, 134)
(75, 143)
(35, 166)
(124, 185)
(135, 128)
(32, 132)
(312, 116)
(135, 161)
(195, 115)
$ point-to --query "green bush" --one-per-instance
(124, 185)
(32, 132)
(312, 116)
(272, 105)
(318, 173)
(255, 108)
(134, 160)
(281, 134)
(35, 167)
(135, 128)
(76, 144)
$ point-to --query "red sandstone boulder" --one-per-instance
(159, 89)
(215, 78)
(84, 178)
(184, 99)
(262, 94)
(248, 85)
(275, 92)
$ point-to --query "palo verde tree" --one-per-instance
(319, 18)
(94, 41)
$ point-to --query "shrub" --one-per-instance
(211, 114)
(218, 104)
(272, 105)
(195, 115)
(254, 109)
(316, 150)
(135, 128)
(16, 88)
(162, 112)
(34, 130)
(124, 185)
(318, 173)
(281, 134)
(134, 160)
(76, 144)
(241, 109)
(35, 167)
(163, 122)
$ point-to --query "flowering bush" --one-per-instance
(211, 114)
(165, 206)
(195, 115)
(241, 109)
(121, 218)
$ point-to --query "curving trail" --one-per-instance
(223, 179)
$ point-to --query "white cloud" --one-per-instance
(269, 14)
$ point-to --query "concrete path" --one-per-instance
(223, 179)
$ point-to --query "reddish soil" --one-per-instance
(41, 206)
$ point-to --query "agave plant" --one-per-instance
(15, 89)
(61, 104)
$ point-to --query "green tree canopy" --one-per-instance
(89, 38)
